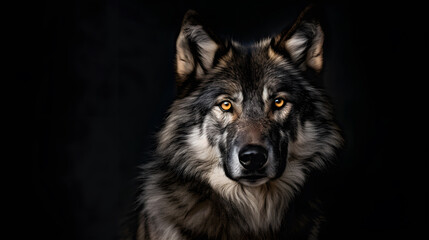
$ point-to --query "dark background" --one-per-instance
(97, 78)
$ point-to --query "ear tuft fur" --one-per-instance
(303, 42)
(195, 48)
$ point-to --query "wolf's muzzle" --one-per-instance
(253, 157)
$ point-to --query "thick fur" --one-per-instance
(196, 187)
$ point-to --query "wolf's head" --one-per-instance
(244, 114)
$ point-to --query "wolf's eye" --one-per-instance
(225, 106)
(279, 102)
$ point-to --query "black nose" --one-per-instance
(253, 157)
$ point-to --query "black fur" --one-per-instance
(196, 188)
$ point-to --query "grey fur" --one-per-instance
(194, 188)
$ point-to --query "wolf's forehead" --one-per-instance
(256, 84)
(239, 93)
(258, 64)
(252, 71)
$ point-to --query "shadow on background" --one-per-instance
(100, 79)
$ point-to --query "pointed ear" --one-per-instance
(196, 47)
(303, 42)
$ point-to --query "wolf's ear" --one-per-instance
(196, 47)
(303, 42)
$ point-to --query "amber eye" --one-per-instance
(225, 106)
(279, 102)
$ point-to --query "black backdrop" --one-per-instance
(99, 76)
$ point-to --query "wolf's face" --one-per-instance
(248, 110)
(253, 103)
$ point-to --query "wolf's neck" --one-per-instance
(220, 207)
(257, 210)
(262, 207)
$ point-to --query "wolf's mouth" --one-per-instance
(253, 180)
(253, 177)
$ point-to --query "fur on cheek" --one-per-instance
(202, 150)
(315, 145)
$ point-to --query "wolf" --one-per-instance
(247, 128)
